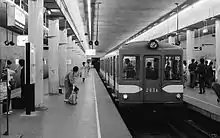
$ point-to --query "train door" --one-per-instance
(152, 78)
(108, 66)
(114, 73)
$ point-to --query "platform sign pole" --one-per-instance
(30, 66)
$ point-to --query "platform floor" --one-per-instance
(94, 116)
(204, 103)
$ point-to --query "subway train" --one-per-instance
(145, 72)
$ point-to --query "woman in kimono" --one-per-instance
(83, 71)
(70, 82)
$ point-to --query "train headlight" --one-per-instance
(178, 96)
(125, 96)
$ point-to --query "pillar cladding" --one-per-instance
(62, 56)
(53, 60)
(190, 43)
(35, 36)
(171, 40)
(217, 37)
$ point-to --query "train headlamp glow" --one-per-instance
(178, 96)
(125, 96)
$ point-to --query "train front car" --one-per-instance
(150, 72)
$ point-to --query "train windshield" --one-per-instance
(131, 67)
(152, 68)
(172, 68)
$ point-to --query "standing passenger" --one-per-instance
(22, 80)
(184, 73)
(201, 72)
(210, 74)
(70, 82)
(88, 66)
(83, 71)
(206, 75)
(192, 68)
(9, 72)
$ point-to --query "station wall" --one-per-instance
(207, 52)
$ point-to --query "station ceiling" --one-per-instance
(120, 19)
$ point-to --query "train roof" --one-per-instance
(144, 45)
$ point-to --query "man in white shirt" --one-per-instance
(10, 72)
(217, 75)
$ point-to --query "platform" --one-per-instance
(206, 103)
(94, 116)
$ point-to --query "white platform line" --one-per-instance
(202, 101)
(96, 109)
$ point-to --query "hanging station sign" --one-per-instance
(68, 61)
(30, 63)
(90, 52)
(16, 18)
(22, 40)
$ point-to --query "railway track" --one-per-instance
(188, 129)
(148, 122)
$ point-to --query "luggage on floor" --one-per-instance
(73, 98)
(216, 88)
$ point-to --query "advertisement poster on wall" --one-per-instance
(3, 90)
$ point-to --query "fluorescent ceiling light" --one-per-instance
(54, 10)
(89, 14)
(162, 19)
(184, 6)
(172, 13)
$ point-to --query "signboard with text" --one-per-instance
(22, 40)
(16, 17)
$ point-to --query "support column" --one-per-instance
(190, 43)
(217, 38)
(68, 51)
(53, 61)
(35, 36)
(62, 56)
(171, 40)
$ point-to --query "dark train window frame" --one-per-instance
(156, 71)
(180, 68)
(137, 67)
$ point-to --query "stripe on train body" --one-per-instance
(129, 89)
(173, 88)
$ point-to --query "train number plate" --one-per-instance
(152, 90)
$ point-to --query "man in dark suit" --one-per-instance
(201, 70)
(22, 80)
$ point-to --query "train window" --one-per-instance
(117, 66)
(111, 63)
(131, 67)
(172, 68)
(151, 68)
